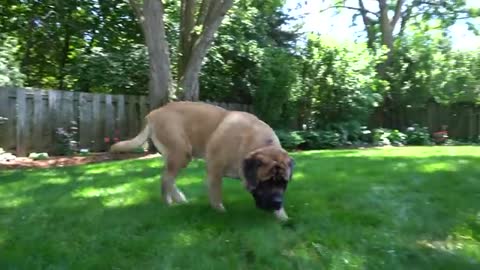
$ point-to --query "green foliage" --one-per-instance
(310, 139)
(275, 79)
(417, 135)
(327, 139)
(384, 136)
(10, 73)
(290, 140)
(337, 83)
(425, 67)
(245, 51)
(117, 72)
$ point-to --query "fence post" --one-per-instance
(21, 123)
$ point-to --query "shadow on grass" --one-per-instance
(349, 210)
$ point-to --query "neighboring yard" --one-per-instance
(393, 208)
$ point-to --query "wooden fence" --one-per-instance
(462, 120)
(33, 115)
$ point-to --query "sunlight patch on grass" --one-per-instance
(347, 260)
(97, 170)
(125, 194)
(462, 241)
(15, 202)
(91, 192)
(124, 200)
(58, 180)
(437, 166)
(184, 239)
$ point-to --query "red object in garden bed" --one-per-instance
(440, 137)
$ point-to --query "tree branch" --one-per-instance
(202, 14)
(368, 25)
(187, 23)
(405, 17)
(398, 13)
(360, 9)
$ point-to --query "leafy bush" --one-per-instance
(397, 138)
(66, 141)
(380, 137)
(290, 140)
(276, 76)
(384, 136)
(10, 73)
(417, 135)
(336, 84)
(310, 140)
(330, 139)
(124, 71)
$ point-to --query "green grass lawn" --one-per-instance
(396, 208)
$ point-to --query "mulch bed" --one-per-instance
(63, 161)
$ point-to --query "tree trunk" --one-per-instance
(160, 84)
(386, 30)
(188, 81)
(193, 46)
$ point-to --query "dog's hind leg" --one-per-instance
(170, 192)
(174, 162)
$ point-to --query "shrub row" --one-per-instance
(341, 136)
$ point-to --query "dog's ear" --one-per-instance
(291, 166)
(250, 167)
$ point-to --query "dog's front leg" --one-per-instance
(214, 182)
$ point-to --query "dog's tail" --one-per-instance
(128, 145)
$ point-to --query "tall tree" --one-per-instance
(198, 24)
(387, 20)
(385, 23)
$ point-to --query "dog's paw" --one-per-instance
(281, 215)
(219, 208)
(179, 197)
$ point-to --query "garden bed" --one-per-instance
(62, 161)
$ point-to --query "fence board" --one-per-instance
(471, 123)
(38, 120)
(98, 141)
(143, 107)
(22, 129)
(54, 99)
(133, 116)
(67, 109)
(109, 116)
(4, 112)
(120, 113)
(85, 120)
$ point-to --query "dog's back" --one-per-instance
(186, 124)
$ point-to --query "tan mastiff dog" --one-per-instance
(234, 144)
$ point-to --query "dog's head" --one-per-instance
(267, 173)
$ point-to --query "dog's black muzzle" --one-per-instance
(268, 195)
